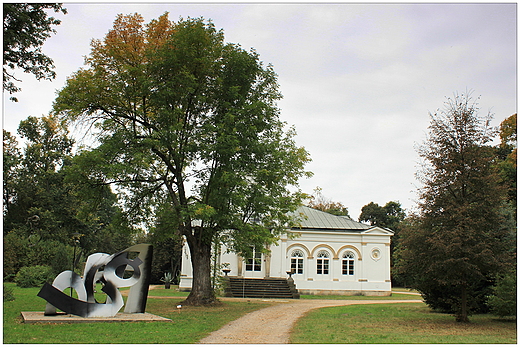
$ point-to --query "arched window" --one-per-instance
(347, 265)
(297, 262)
(322, 263)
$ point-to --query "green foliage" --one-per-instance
(167, 278)
(187, 120)
(26, 27)
(21, 250)
(8, 293)
(45, 202)
(452, 251)
(388, 216)
(167, 248)
(11, 162)
(34, 276)
(503, 300)
(507, 157)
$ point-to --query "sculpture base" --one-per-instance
(39, 317)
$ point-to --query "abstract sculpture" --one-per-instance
(109, 270)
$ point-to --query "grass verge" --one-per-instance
(409, 323)
(187, 327)
(394, 296)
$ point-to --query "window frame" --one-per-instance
(297, 266)
(255, 263)
(348, 263)
(323, 262)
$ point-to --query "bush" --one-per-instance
(8, 294)
(34, 276)
(503, 301)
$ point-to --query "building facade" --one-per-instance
(326, 254)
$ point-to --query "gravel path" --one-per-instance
(272, 325)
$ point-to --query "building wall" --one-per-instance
(371, 262)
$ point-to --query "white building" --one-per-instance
(329, 255)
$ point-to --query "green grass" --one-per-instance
(187, 327)
(409, 323)
(173, 291)
(362, 297)
(376, 323)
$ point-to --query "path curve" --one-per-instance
(272, 325)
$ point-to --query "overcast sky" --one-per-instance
(358, 80)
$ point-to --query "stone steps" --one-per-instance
(261, 288)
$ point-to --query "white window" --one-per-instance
(254, 263)
(297, 262)
(347, 265)
(322, 263)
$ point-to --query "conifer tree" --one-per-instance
(457, 243)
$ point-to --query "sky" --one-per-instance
(359, 80)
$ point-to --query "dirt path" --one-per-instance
(272, 325)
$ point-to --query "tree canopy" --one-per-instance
(186, 119)
(44, 206)
(26, 27)
(388, 216)
(319, 202)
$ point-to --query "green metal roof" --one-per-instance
(315, 219)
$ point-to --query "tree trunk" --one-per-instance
(201, 291)
(462, 315)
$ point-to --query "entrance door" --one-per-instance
(254, 265)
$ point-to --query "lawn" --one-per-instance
(394, 296)
(187, 327)
(409, 323)
(376, 323)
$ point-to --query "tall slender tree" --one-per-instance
(189, 119)
(457, 243)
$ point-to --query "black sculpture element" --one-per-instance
(112, 278)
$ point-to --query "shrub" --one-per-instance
(8, 294)
(503, 300)
(34, 276)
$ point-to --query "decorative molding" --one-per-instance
(375, 253)
(297, 245)
(362, 280)
(323, 245)
(342, 248)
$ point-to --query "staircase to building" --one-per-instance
(270, 287)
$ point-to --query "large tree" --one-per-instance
(187, 119)
(457, 244)
(26, 27)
